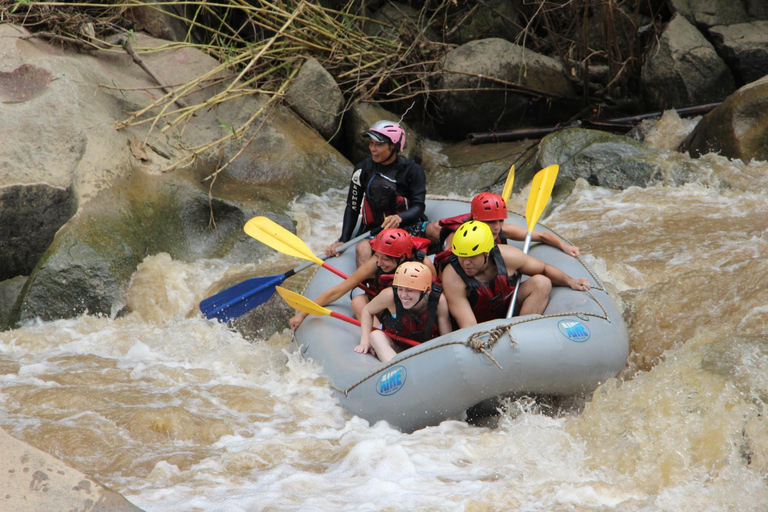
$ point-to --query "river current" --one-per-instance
(181, 414)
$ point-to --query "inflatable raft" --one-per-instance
(578, 343)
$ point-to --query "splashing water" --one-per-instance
(179, 413)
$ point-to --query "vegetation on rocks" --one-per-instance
(261, 44)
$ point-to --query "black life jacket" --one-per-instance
(488, 300)
(419, 328)
(380, 197)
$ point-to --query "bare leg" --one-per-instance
(534, 295)
(363, 252)
(383, 346)
(432, 231)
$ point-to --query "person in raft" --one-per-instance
(479, 281)
(491, 209)
(388, 189)
(413, 307)
(390, 248)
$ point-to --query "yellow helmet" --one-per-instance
(413, 274)
(472, 238)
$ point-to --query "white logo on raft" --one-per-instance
(574, 330)
(391, 382)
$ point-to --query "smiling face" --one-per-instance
(474, 264)
(382, 152)
(386, 263)
(408, 296)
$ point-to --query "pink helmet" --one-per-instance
(387, 131)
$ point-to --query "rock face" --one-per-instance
(738, 128)
(744, 47)
(316, 97)
(33, 481)
(684, 70)
(607, 160)
(84, 202)
(29, 218)
(488, 65)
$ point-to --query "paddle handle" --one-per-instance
(526, 246)
(356, 322)
(345, 276)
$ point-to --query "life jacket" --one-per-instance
(419, 328)
(380, 197)
(488, 300)
(383, 279)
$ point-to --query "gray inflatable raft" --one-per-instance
(578, 343)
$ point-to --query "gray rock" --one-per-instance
(315, 96)
(475, 96)
(738, 128)
(744, 47)
(34, 481)
(10, 289)
(30, 215)
(709, 13)
(607, 160)
(396, 19)
(90, 263)
(684, 70)
(492, 18)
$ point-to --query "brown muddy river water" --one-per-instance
(178, 413)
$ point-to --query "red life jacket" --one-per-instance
(419, 328)
(488, 300)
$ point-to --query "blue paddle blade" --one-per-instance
(241, 298)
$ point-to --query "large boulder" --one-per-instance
(492, 84)
(738, 128)
(396, 19)
(34, 481)
(683, 69)
(127, 206)
(316, 97)
(492, 18)
(708, 13)
(744, 48)
(608, 160)
(89, 265)
(30, 215)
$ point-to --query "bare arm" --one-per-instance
(515, 260)
(514, 232)
(455, 292)
(363, 272)
(380, 302)
(443, 316)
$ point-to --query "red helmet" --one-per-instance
(393, 242)
(488, 206)
(387, 131)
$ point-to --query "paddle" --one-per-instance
(507, 190)
(280, 239)
(541, 190)
(306, 305)
(243, 297)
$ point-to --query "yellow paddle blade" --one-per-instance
(507, 190)
(301, 303)
(541, 190)
(280, 239)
